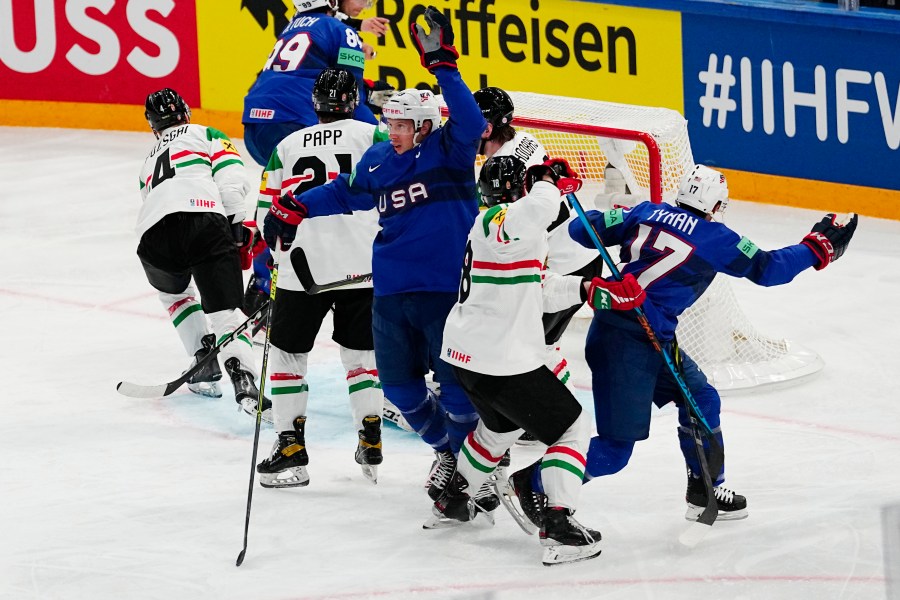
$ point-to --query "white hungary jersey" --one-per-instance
(337, 246)
(566, 255)
(192, 168)
(496, 328)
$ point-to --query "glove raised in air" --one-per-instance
(436, 47)
(558, 170)
(828, 239)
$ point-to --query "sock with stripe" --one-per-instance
(563, 464)
(187, 317)
(287, 387)
(480, 454)
(224, 322)
(363, 385)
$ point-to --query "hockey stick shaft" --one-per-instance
(696, 417)
(136, 390)
(259, 404)
(304, 274)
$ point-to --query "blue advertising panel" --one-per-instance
(793, 100)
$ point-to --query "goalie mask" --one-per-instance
(416, 105)
(502, 180)
(704, 190)
(303, 6)
(496, 106)
(164, 109)
(335, 92)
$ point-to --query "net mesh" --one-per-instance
(714, 331)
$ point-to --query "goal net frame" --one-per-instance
(649, 147)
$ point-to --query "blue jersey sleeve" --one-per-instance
(466, 123)
(335, 198)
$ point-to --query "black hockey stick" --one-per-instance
(699, 426)
(301, 268)
(259, 403)
(136, 390)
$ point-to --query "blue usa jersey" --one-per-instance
(425, 198)
(675, 255)
(310, 43)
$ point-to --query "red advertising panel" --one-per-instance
(110, 51)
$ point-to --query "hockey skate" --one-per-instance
(286, 467)
(566, 540)
(486, 499)
(732, 506)
(204, 381)
(453, 507)
(527, 439)
(368, 452)
(441, 471)
(246, 393)
(526, 505)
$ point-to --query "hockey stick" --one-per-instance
(136, 390)
(698, 422)
(259, 403)
(301, 268)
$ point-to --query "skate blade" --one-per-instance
(209, 389)
(693, 513)
(482, 520)
(560, 555)
(506, 494)
(248, 405)
(292, 477)
(370, 472)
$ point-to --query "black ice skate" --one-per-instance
(486, 499)
(368, 452)
(246, 393)
(441, 471)
(732, 506)
(527, 439)
(453, 507)
(286, 467)
(526, 505)
(566, 540)
(204, 381)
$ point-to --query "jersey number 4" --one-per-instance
(163, 169)
(675, 252)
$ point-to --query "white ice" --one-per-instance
(106, 497)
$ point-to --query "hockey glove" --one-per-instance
(252, 245)
(436, 47)
(377, 93)
(615, 295)
(281, 223)
(558, 171)
(828, 239)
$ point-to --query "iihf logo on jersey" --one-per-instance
(458, 356)
(202, 203)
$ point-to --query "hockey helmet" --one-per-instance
(703, 189)
(502, 179)
(418, 105)
(303, 6)
(335, 92)
(166, 108)
(496, 106)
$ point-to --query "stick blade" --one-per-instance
(694, 534)
(240, 558)
(134, 390)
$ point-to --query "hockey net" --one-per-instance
(649, 148)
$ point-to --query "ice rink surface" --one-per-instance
(106, 497)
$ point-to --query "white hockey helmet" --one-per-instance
(703, 189)
(303, 6)
(418, 105)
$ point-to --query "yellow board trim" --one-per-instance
(743, 185)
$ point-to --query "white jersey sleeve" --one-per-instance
(496, 326)
(192, 168)
(525, 147)
(337, 246)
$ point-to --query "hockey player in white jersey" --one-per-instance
(335, 248)
(190, 226)
(566, 257)
(494, 339)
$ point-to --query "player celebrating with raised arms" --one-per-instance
(675, 252)
(422, 183)
(494, 339)
(191, 225)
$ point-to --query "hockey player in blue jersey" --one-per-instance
(279, 102)
(423, 185)
(675, 252)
